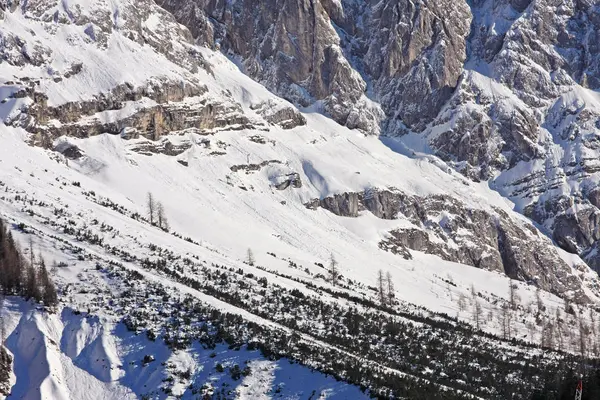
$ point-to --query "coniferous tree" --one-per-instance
(23, 276)
(250, 257)
(161, 217)
(390, 288)
(151, 207)
(477, 314)
(32, 289)
(49, 295)
(506, 321)
(11, 263)
(381, 290)
(333, 270)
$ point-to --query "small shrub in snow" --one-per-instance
(148, 358)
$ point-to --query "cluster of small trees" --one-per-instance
(156, 213)
(566, 330)
(24, 274)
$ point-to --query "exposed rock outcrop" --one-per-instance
(311, 51)
(249, 168)
(289, 180)
(152, 107)
(493, 86)
(447, 228)
(285, 116)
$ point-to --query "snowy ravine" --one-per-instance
(103, 102)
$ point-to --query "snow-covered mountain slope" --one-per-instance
(105, 102)
(502, 90)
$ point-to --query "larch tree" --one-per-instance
(477, 311)
(559, 330)
(462, 302)
(381, 288)
(548, 338)
(250, 257)
(473, 292)
(32, 290)
(151, 207)
(506, 321)
(333, 270)
(513, 296)
(584, 333)
(389, 288)
(161, 217)
(532, 329)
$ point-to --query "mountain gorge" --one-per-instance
(451, 145)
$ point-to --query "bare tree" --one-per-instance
(477, 314)
(161, 217)
(151, 207)
(381, 288)
(513, 295)
(333, 270)
(390, 288)
(462, 302)
(250, 257)
(506, 321)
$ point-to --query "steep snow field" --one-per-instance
(70, 356)
(227, 213)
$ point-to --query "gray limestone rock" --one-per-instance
(449, 229)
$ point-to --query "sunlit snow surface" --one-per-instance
(69, 356)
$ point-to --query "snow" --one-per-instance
(73, 356)
(65, 357)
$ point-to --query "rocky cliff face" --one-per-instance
(501, 90)
(407, 56)
(493, 87)
(88, 96)
(447, 228)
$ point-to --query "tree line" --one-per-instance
(22, 273)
